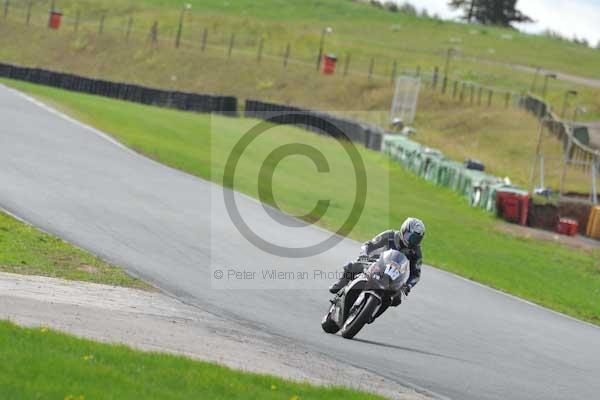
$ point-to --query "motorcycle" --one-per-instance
(368, 295)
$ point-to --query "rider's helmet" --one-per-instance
(412, 232)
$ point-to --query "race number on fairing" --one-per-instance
(392, 272)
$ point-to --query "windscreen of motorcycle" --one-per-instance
(396, 266)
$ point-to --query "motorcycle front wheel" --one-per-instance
(360, 317)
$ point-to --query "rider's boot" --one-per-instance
(350, 270)
(342, 282)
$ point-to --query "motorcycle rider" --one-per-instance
(407, 240)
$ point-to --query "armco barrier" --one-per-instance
(368, 135)
(203, 103)
(477, 187)
(580, 148)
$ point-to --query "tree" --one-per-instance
(466, 5)
(408, 9)
(391, 6)
(490, 12)
(581, 42)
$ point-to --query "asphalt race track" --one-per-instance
(451, 337)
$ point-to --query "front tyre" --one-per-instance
(360, 317)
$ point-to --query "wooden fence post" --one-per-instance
(52, 8)
(6, 7)
(347, 64)
(231, 44)
(28, 18)
(204, 38)
(454, 89)
(371, 67)
(101, 26)
(507, 97)
(490, 94)
(320, 53)
(259, 52)
(434, 79)
(472, 93)
(77, 18)
(479, 92)
(129, 26)
(154, 32)
(286, 56)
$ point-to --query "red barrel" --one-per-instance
(329, 62)
(513, 205)
(567, 226)
(55, 18)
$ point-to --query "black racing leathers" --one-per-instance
(387, 240)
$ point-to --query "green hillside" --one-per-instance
(493, 134)
(358, 27)
(504, 139)
(366, 34)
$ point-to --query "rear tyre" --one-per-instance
(328, 324)
(360, 317)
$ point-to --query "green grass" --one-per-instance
(358, 28)
(26, 250)
(361, 30)
(460, 239)
(42, 364)
(502, 138)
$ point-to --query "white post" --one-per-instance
(542, 171)
(394, 101)
(565, 164)
(538, 147)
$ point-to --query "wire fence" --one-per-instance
(186, 34)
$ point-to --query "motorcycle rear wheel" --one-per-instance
(355, 323)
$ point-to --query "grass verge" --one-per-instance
(460, 239)
(26, 250)
(40, 363)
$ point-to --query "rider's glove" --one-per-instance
(363, 251)
(407, 290)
